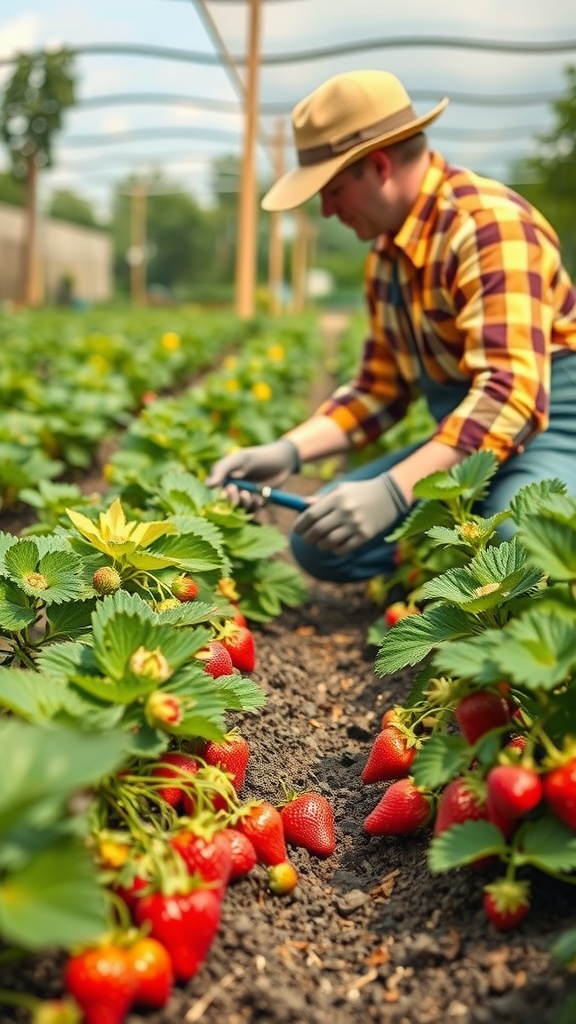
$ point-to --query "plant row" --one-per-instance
(483, 750)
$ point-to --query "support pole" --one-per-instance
(138, 245)
(246, 246)
(276, 252)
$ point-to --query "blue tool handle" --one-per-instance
(293, 501)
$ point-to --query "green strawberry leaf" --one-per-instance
(471, 658)
(536, 650)
(531, 498)
(548, 845)
(43, 767)
(441, 758)
(53, 577)
(253, 542)
(189, 613)
(494, 576)
(69, 620)
(420, 519)
(551, 544)
(37, 697)
(238, 693)
(15, 612)
(53, 900)
(463, 844)
(412, 639)
(194, 552)
(564, 949)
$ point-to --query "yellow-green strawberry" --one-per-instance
(106, 580)
(184, 588)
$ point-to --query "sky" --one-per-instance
(500, 99)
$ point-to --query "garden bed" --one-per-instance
(368, 934)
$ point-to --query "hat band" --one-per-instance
(395, 122)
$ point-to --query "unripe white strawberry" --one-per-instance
(106, 580)
(150, 664)
(163, 709)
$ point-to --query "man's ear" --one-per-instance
(381, 161)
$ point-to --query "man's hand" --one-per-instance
(264, 463)
(352, 514)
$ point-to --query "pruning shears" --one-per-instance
(271, 494)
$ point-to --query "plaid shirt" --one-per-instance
(471, 291)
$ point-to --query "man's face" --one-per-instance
(355, 197)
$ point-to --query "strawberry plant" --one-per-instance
(496, 649)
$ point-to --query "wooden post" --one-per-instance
(299, 261)
(246, 245)
(138, 245)
(276, 254)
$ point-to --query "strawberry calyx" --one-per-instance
(559, 758)
(508, 896)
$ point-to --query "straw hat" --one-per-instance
(339, 122)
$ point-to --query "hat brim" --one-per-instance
(299, 185)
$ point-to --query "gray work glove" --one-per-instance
(352, 514)
(264, 463)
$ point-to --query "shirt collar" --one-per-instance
(413, 236)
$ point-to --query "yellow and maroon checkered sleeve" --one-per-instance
(377, 397)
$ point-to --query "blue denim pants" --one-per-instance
(549, 454)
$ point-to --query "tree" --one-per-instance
(179, 238)
(67, 205)
(11, 190)
(39, 91)
(551, 171)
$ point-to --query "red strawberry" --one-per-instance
(391, 756)
(184, 588)
(516, 745)
(262, 823)
(481, 711)
(390, 717)
(403, 808)
(395, 612)
(308, 821)
(560, 792)
(205, 854)
(513, 790)
(463, 799)
(239, 642)
(242, 852)
(184, 767)
(506, 902)
(282, 878)
(185, 923)
(153, 969)
(239, 618)
(103, 983)
(231, 755)
(215, 659)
